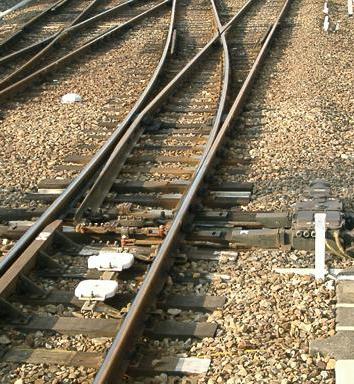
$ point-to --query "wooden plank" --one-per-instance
(193, 302)
(163, 159)
(151, 186)
(68, 167)
(53, 357)
(165, 201)
(177, 366)
(163, 135)
(168, 201)
(166, 147)
(340, 346)
(178, 131)
(183, 125)
(72, 325)
(197, 277)
(135, 272)
(44, 197)
(13, 232)
(159, 170)
(27, 259)
(77, 159)
(9, 214)
(203, 254)
(234, 186)
(345, 318)
(181, 330)
(54, 183)
(225, 202)
(345, 292)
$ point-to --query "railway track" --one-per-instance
(50, 21)
(26, 65)
(155, 30)
(138, 215)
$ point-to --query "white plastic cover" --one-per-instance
(111, 261)
(70, 98)
(326, 23)
(96, 289)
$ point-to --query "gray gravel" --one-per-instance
(302, 111)
(38, 133)
(297, 127)
(12, 21)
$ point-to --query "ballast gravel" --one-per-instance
(299, 123)
(38, 131)
(298, 126)
(13, 20)
(304, 131)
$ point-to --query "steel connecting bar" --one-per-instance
(79, 185)
(9, 85)
(117, 357)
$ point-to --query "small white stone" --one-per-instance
(174, 311)
(70, 98)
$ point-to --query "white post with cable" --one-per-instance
(320, 245)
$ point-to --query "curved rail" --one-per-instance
(80, 184)
(226, 82)
(9, 85)
(25, 27)
(116, 359)
(104, 181)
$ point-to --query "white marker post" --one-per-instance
(325, 8)
(350, 7)
(326, 23)
(320, 245)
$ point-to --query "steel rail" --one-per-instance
(75, 25)
(105, 179)
(10, 81)
(26, 50)
(226, 83)
(79, 185)
(21, 84)
(25, 27)
(117, 357)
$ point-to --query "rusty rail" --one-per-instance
(25, 27)
(19, 79)
(117, 358)
(82, 182)
(104, 181)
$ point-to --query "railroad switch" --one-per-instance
(288, 230)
